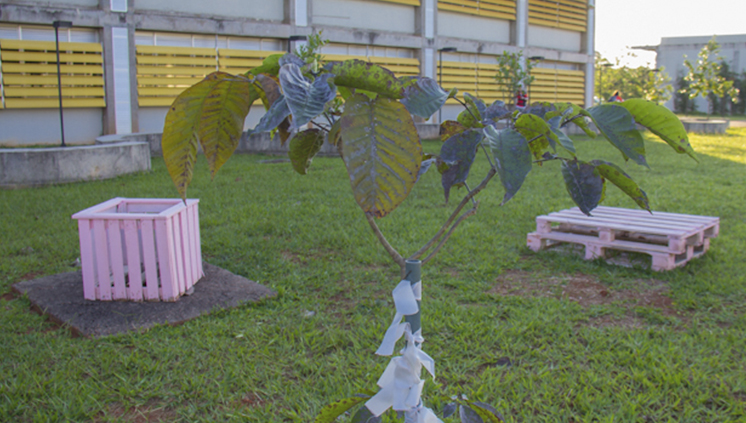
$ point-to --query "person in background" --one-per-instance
(521, 99)
(615, 98)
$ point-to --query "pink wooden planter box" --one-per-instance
(139, 249)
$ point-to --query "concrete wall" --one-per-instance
(53, 3)
(271, 10)
(19, 127)
(459, 25)
(363, 14)
(554, 38)
(21, 167)
(671, 53)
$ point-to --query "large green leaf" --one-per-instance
(424, 97)
(584, 184)
(486, 412)
(470, 117)
(450, 128)
(512, 157)
(460, 151)
(618, 126)
(362, 75)
(306, 99)
(662, 122)
(573, 113)
(211, 112)
(270, 66)
(616, 175)
(537, 132)
(382, 152)
(303, 146)
(330, 412)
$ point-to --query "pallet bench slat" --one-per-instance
(671, 239)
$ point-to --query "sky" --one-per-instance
(624, 23)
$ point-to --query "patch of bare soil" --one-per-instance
(588, 291)
(252, 400)
(8, 296)
(146, 413)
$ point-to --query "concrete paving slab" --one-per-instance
(61, 298)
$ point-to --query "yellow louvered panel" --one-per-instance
(499, 9)
(241, 61)
(488, 89)
(16, 91)
(564, 14)
(164, 72)
(29, 70)
(558, 85)
(407, 2)
(52, 103)
(461, 75)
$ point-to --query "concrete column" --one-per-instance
(590, 50)
(521, 24)
(120, 72)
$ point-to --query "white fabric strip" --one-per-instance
(401, 386)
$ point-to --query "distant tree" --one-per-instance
(640, 82)
(681, 101)
(705, 77)
(513, 74)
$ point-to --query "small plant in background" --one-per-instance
(513, 74)
(382, 152)
(705, 77)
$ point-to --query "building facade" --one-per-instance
(673, 50)
(124, 61)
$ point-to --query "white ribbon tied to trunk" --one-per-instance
(401, 386)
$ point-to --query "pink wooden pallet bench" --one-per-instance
(139, 249)
(671, 239)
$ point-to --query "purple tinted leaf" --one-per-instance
(449, 410)
(364, 415)
(512, 157)
(468, 415)
(305, 99)
(540, 109)
(291, 58)
(274, 116)
(618, 126)
(461, 149)
(584, 184)
(424, 167)
(423, 97)
(496, 111)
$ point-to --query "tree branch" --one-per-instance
(453, 216)
(442, 242)
(392, 252)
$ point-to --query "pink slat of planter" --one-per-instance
(135, 249)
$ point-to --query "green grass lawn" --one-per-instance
(494, 313)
